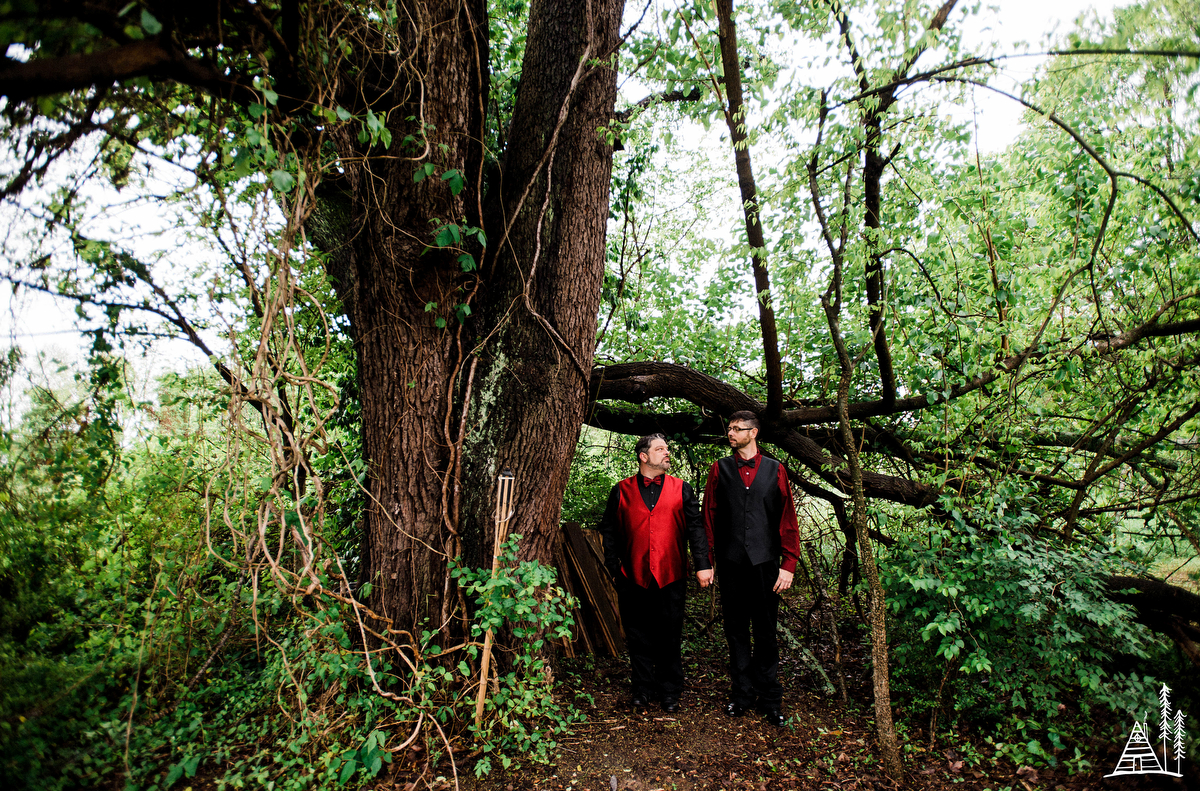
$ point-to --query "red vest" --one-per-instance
(654, 540)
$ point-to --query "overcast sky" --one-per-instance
(38, 323)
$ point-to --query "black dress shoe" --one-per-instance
(640, 700)
(774, 717)
(670, 705)
(735, 709)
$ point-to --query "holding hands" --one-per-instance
(783, 582)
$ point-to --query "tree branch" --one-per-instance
(735, 118)
(152, 57)
(665, 97)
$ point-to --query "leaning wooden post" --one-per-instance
(504, 512)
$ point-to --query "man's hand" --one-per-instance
(705, 577)
(783, 582)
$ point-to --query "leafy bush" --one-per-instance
(523, 716)
(130, 653)
(1015, 635)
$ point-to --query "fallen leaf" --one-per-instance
(1028, 774)
(956, 766)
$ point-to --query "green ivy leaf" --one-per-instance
(455, 178)
(282, 180)
(448, 235)
(150, 24)
(347, 769)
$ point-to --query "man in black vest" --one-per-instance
(752, 531)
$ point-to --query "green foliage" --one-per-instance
(129, 653)
(595, 469)
(1015, 637)
(523, 719)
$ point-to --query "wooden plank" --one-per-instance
(588, 632)
(566, 582)
(604, 631)
(593, 581)
(596, 545)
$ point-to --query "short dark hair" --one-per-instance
(643, 445)
(747, 417)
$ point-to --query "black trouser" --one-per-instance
(653, 622)
(748, 604)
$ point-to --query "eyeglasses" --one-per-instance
(737, 428)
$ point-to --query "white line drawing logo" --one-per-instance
(1140, 757)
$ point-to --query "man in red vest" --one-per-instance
(648, 519)
(751, 524)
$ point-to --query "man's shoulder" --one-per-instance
(617, 486)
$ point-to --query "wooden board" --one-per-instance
(594, 580)
(568, 584)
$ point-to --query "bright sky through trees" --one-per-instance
(37, 322)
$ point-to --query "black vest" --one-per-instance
(746, 527)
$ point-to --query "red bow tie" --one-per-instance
(652, 481)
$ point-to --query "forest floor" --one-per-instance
(824, 745)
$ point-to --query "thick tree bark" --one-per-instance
(545, 264)
(445, 408)
(520, 362)
(390, 280)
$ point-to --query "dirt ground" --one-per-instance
(825, 745)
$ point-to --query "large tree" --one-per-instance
(462, 226)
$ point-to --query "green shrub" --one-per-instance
(1016, 636)
(131, 655)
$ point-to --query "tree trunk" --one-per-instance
(520, 362)
(399, 292)
(543, 280)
